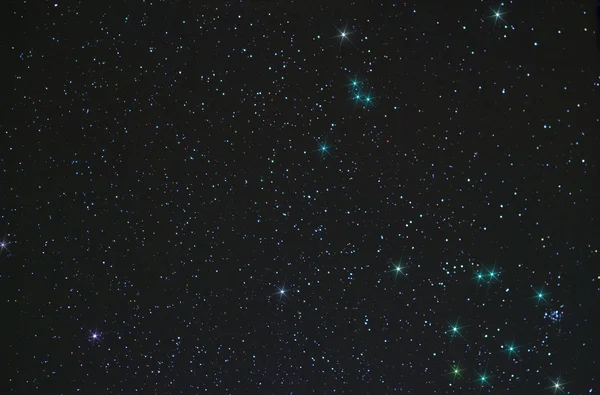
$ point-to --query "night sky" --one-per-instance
(266, 197)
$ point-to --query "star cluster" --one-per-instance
(261, 197)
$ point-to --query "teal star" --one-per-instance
(540, 295)
(483, 379)
(497, 15)
(455, 330)
(511, 349)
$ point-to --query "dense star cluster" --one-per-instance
(281, 197)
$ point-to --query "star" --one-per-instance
(95, 336)
(369, 99)
(456, 371)
(479, 276)
(540, 295)
(4, 246)
(324, 149)
(483, 378)
(398, 270)
(454, 329)
(354, 83)
(497, 15)
(557, 385)
(493, 274)
(282, 292)
(511, 349)
(344, 33)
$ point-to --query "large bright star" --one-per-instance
(324, 149)
(483, 378)
(511, 349)
(540, 295)
(497, 15)
(557, 385)
(4, 246)
(344, 34)
(456, 371)
(454, 329)
(282, 292)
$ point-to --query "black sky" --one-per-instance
(198, 199)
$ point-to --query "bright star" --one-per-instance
(324, 149)
(94, 336)
(455, 329)
(557, 385)
(483, 378)
(511, 349)
(456, 371)
(4, 246)
(497, 16)
(282, 292)
(493, 274)
(398, 269)
(344, 33)
(479, 277)
(540, 295)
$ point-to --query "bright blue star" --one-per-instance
(282, 292)
(324, 149)
(4, 246)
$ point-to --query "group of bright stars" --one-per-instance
(455, 330)
(483, 379)
(360, 96)
(488, 275)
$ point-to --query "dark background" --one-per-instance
(162, 181)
